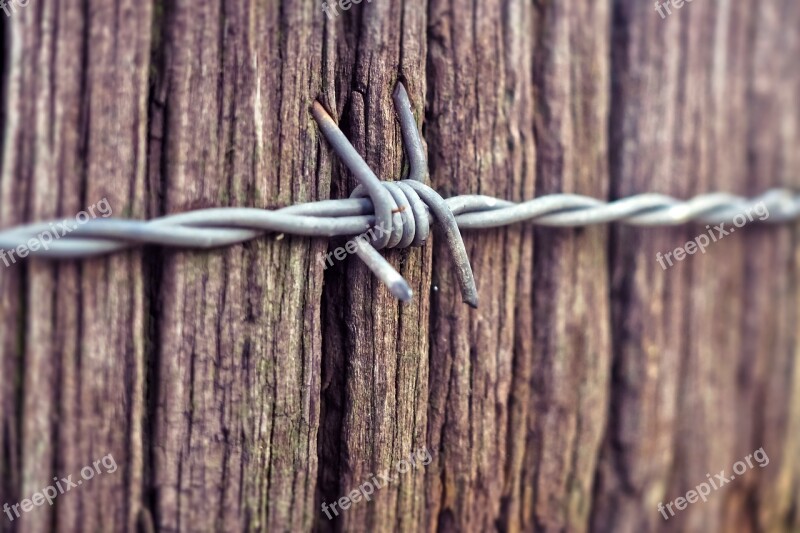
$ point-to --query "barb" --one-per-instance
(404, 209)
(391, 209)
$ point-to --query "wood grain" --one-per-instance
(76, 135)
(252, 388)
(238, 346)
(700, 346)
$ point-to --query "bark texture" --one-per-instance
(247, 388)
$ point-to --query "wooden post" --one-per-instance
(254, 387)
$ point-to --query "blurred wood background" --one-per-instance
(240, 389)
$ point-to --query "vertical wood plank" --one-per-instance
(572, 351)
(103, 399)
(238, 358)
(482, 137)
(377, 363)
(75, 132)
(698, 345)
(768, 364)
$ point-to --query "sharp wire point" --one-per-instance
(401, 290)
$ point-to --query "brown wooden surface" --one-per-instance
(241, 388)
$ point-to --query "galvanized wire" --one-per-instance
(399, 214)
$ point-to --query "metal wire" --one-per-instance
(397, 214)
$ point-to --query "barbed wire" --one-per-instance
(395, 215)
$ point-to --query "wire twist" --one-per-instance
(401, 211)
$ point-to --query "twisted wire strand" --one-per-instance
(225, 226)
(402, 212)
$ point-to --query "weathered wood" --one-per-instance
(482, 140)
(238, 331)
(75, 134)
(376, 368)
(704, 349)
(242, 389)
(572, 351)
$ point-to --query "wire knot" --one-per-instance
(402, 209)
(410, 218)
